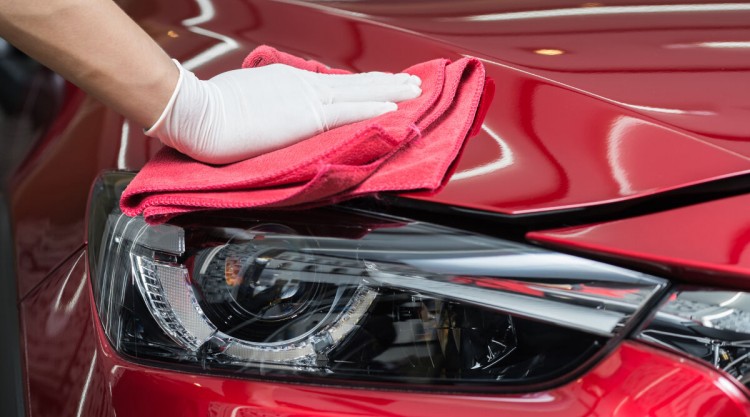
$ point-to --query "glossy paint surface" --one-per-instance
(48, 193)
(596, 102)
(707, 243)
(72, 370)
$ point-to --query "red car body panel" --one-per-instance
(672, 239)
(72, 370)
(594, 104)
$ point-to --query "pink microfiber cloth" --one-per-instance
(412, 148)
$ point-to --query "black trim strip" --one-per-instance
(515, 227)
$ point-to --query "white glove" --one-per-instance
(243, 113)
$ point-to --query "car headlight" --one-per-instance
(342, 295)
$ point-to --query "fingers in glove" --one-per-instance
(338, 114)
(388, 92)
(366, 78)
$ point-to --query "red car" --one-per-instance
(589, 257)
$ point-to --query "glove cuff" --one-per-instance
(158, 128)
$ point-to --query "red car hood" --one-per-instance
(594, 103)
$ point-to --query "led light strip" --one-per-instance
(306, 352)
(166, 290)
(171, 300)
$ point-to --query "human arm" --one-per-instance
(95, 45)
(236, 115)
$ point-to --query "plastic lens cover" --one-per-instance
(337, 294)
(711, 325)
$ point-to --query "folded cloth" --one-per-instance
(412, 148)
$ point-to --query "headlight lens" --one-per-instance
(335, 294)
(711, 325)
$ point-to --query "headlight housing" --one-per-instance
(337, 295)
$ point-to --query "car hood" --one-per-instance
(594, 103)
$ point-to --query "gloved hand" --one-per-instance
(243, 113)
